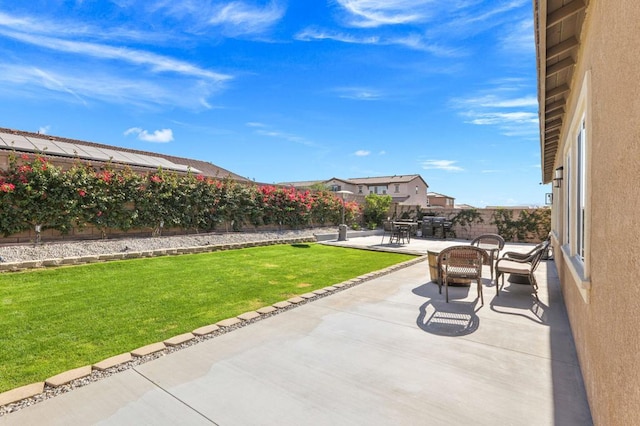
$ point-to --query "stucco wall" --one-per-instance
(606, 328)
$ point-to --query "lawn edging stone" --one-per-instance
(23, 392)
(179, 339)
(68, 376)
(112, 361)
(229, 322)
(207, 329)
(248, 316)
(148, 349)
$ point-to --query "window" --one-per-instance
(575, 195)
(377, 190)
(567, 201)
(336, 188)
(397, 188)
(359, 189)
(580, 189)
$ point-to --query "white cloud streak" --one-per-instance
(158, 136)
(374, 13)
(265, 130)
(157, 63)
(412, 41)
(505, 107)
(235, 18)
(446, 165)
(359, 93)
(241, 18)
(80, 86)
(362, 153)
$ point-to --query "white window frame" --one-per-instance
(576, 191)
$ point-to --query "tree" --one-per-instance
(375, 209)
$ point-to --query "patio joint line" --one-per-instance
(175, 397)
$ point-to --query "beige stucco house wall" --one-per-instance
(589, 93)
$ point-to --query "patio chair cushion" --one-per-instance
(511, 267)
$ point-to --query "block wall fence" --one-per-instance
(91, 233)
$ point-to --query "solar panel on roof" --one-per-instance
(85, 152)
(79, 152)
(114, 155)
(96, 154)
(163, 162)
(17, 142)
(67, 148)
(141, 159)
(46, 146)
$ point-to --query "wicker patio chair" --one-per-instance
(517, 264)
(492, 243)
(463, 262)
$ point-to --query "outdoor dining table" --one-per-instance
(406, 229)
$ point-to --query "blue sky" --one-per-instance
(289, 90)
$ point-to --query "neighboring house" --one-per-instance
(464, 207)
(588, 57)
(440, 200)
(64, 152)
(403, 189)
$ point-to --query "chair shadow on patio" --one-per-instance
(516, 299)
(457, 318)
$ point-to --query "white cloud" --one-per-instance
(310, 34)
(507, 105)
(234, 18)
(412, 41)
(241, 18)
(156, 63)
(374, 13)
(80, 85)
(265, 130)
(362, 153)
(494, 101)
(448, 165)
(43, 130)
(75, 29)
(359, 93)
(492, 118)
(519, 37)
(158, 136)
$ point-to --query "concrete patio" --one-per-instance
(388, 351)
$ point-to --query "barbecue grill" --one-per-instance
(434, 226)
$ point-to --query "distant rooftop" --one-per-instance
(56, 146)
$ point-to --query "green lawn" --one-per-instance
(56, 319)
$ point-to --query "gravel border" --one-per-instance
(30, 254)
(59, 250)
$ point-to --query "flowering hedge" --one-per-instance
(35, 192)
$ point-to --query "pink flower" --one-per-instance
(81, 192)
(156, 179)
(105, 175)
(7, 187)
